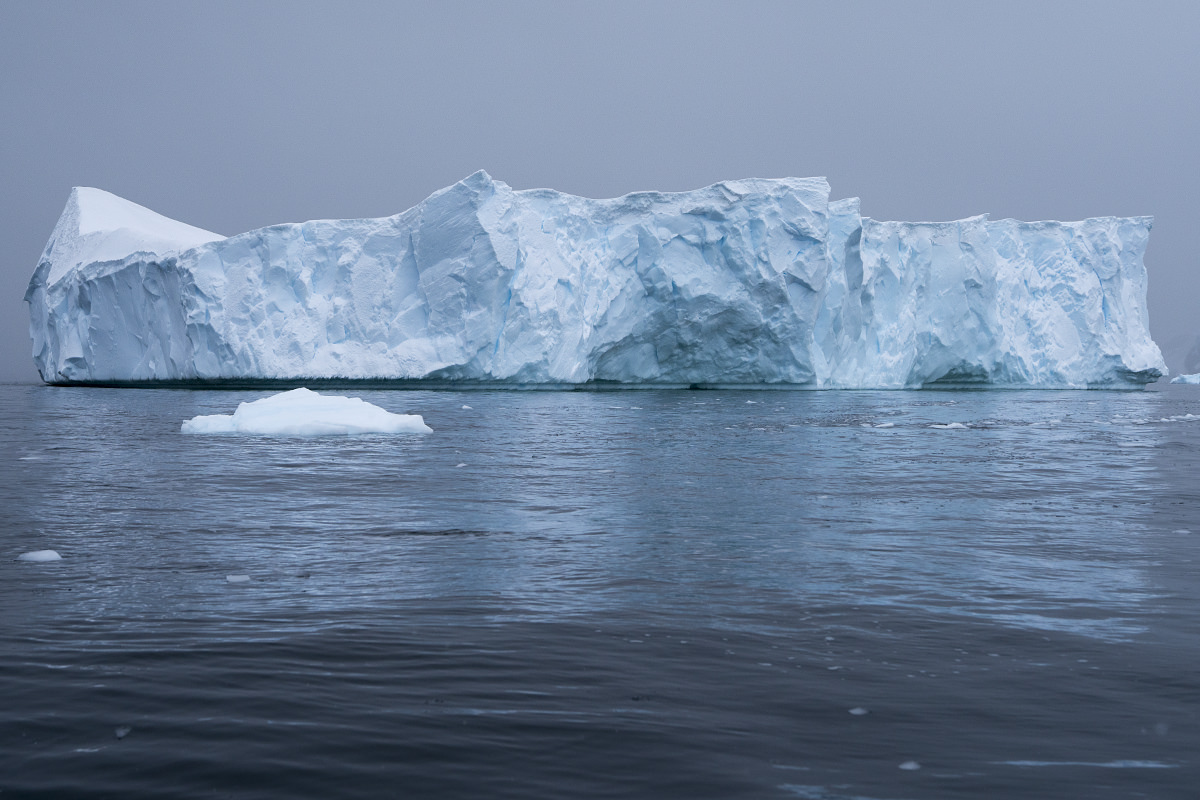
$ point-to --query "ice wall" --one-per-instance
(755, 282)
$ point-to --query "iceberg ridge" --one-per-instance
(750, 282)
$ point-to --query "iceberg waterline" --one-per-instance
(753, 282)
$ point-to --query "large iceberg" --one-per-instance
(743, 283)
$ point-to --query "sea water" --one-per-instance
(605, 594)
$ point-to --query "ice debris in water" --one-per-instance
(302, 412)
(40, 555)
(1193, 379)
(859, 711)
(122, 731)
(953, 426)
(745, 282)
(237, 578)
(910, 765)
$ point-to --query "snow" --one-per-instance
(746, 282)
(97, 226)
(40, 555)
(1189, 379)
(302, 412)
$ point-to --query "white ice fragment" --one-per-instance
(467, 408)
(237, 578)
(859, 711)
(1193, 379)
(122, 731)
(302, 412)
(456, 466)
(886, 425)
(953, 426)
(40, 555)
(910, 765)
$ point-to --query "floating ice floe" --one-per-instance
(953, 426)
(302, 412)
(237, 578)
(1193, 379)
(40, 555)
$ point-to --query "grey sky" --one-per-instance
(234, 115)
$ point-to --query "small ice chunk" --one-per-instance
(859, 711)
(1193, 379)
(40, 555)
(952, 426)
(456, 466)
(302, 412)
(467, 408)
(237, 578)
(886, 425)
(910, 765)
(122, 731)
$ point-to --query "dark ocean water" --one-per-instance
(625, 594)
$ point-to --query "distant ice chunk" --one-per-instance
(237, 578)
(953, 426)
(40, 555)
(302, 412)
(1189, 379)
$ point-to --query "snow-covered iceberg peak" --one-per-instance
(750, 282)
(97, 226)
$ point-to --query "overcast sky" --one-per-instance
(232, 116)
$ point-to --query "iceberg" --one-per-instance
(40, 556)
(302, 412)
(1193, 379)
(743, 283)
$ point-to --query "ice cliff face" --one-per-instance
(742, 283)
